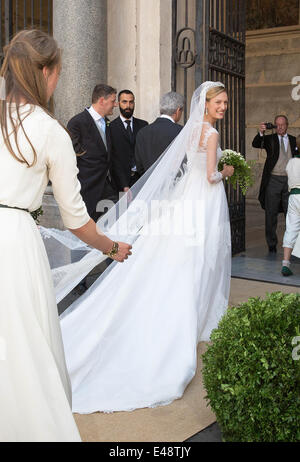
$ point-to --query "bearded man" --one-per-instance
(123, 132)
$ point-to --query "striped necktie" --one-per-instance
(282, 146)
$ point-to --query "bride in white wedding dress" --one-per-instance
(131, 340)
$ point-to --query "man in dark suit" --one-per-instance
(124, 130)
(152, 141)
(91, 139)
(274, 194)
(90, 135)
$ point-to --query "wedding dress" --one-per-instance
(131, 340)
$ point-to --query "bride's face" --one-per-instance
(217, 106)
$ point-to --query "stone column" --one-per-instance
(140, 51)
(79, 26)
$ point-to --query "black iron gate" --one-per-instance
(209, 44)
(23, 14)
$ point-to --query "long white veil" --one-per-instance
(125, 220)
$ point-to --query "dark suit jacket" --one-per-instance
(271, 144)
(122, 152)
(152, 141)
(94, 164)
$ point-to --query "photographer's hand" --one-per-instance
(262, 128)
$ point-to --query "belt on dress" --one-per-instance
(9, 207)
(295, 191)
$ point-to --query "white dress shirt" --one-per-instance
(165, 116)
(100, 121)
(125, 124)
(285, 140)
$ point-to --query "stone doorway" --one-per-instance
(209, 44)
(272, 77)
(272, 56)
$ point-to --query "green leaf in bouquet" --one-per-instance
(243, 174)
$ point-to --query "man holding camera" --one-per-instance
(274, 194)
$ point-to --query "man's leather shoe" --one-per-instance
(285, 271)
(272, 249)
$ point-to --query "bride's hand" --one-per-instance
(123, 252)
(228, 170)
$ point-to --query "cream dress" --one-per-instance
(35, 394)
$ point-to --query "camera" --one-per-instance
(270, 126)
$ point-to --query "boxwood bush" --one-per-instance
(251, 378)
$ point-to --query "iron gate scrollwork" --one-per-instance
(215, 52)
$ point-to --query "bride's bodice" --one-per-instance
(196, 155)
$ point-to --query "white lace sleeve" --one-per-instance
(211, 140)
(207, 132)
(216, 177)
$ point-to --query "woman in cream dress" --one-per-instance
(35, 394)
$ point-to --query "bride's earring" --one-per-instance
(206, 111)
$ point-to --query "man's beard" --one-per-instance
(127, 113)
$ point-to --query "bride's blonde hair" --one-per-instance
(22, 70)
(215, 91)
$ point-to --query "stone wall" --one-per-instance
(140, 51)
(272, 60)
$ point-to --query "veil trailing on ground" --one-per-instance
(125, 220)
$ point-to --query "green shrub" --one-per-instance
(251, 378)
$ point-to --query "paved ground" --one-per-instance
(255, 232)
